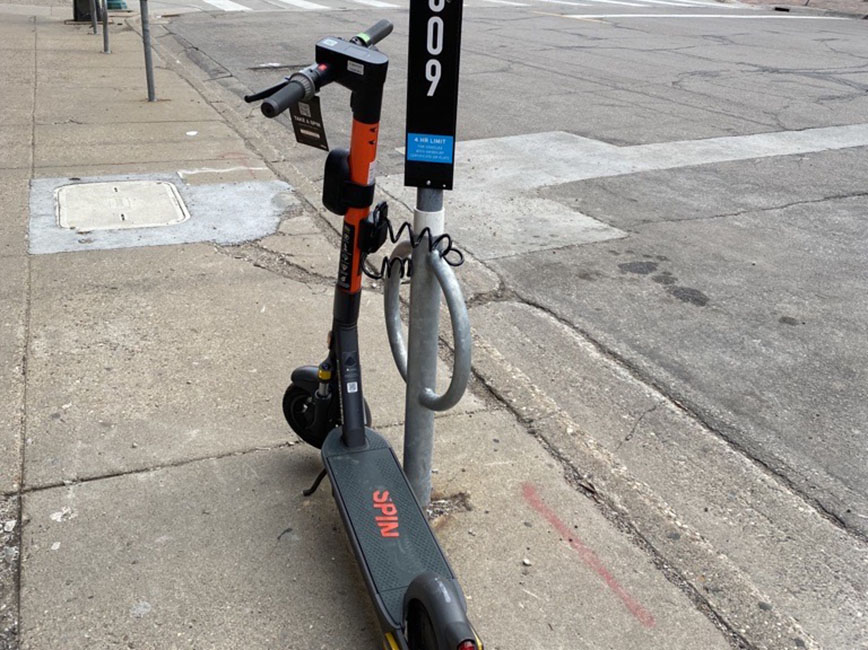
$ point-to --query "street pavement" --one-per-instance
(613, 481)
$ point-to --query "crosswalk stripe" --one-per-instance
(670, 3)
(568, 2)
(377, 3)
(712, 3)
(508, 2)
(618, 2)
(302, 4)
(228, 5)
(688, 3)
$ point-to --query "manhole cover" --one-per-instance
(119, 205)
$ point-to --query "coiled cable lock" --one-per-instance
(377, 227)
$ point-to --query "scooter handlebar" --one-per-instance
(374, 34)
(292, 93)
(306, 82)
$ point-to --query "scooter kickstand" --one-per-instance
(309, 491)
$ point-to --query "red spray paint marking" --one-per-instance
(588, 556)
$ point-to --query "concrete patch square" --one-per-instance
(213, 554)
(214, 211)
(84, 207)
(119, 380)
(127, 371)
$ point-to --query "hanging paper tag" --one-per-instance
(307, 124)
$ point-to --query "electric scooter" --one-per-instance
(416, 595)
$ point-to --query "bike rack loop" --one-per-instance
(460, 329)
(421, 398)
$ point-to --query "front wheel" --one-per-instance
(300, 414)
(300, 411)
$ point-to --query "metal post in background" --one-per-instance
(146, 41)
(93, 15)
(105, 34)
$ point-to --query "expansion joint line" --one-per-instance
(25, 356)
(154, 468)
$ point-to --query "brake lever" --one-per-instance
(264, 94)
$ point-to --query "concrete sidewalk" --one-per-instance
(151, 489)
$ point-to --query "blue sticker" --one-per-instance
(424, 147)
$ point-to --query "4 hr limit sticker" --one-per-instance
(307, 124)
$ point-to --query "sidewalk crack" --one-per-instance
(154, 468)
(636, 424)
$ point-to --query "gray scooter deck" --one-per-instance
(387, 528)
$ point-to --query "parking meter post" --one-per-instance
(423, 340)
(146, 41)
(105, 33)
(432, 108)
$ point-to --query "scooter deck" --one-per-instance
(389, 533)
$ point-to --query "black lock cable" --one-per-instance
(451, 255)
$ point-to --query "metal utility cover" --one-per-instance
(119, 205)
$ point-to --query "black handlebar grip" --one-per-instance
(290, 94)
(376, 32)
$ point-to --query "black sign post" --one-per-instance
(429, 159)
(432, 93)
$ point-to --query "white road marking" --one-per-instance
(508, 2)
(303, 4)
(501, 179)
(568, 2)
(699, 3)
(228, 5)
(784, 16)
(681, 3)
(505, 161)
(618, 2)
(377, 3)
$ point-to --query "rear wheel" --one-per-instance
(420, 629)
(435, 617)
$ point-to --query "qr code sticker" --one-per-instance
(352, 387)
(304, 109)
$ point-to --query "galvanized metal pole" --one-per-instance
(105, 35)
(423, 338)
(146, 40)
(93, 15)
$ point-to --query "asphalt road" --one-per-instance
(683, 187)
